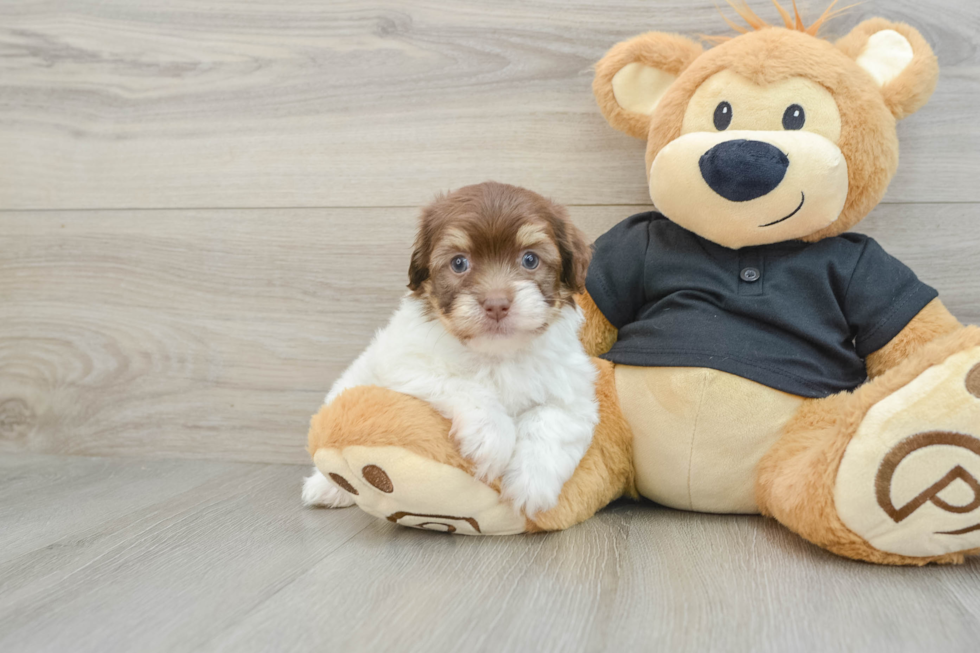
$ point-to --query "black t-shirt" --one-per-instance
(798, 317)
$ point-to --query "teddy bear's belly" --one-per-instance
(699, 433)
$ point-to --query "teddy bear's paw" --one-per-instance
(909, 480)
(319, 492)
(404, 488)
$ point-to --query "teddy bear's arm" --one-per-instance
(933, 321)
(597, 334)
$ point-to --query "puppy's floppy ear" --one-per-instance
(418, 269)
(573, 247)
(899, 60)
(632, 77)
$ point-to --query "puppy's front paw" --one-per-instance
(529, 490)
(321, 492)
(487, 439)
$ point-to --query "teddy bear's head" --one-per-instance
(773, 135)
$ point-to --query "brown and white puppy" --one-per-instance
(489, 336)
(497, 263)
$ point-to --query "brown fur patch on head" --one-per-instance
(492, 226)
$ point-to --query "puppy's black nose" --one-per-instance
(743, 170)
(496, 307)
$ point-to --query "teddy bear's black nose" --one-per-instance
(742, 170)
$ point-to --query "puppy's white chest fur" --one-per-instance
(550, 368)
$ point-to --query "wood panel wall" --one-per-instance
(207, 208)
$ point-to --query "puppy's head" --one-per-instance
(496, 262)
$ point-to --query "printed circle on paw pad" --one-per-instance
(378, 478)
(343, 483)
(973, 381)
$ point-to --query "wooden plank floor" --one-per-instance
(110, 554)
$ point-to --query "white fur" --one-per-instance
(320, 491)
(523, 407)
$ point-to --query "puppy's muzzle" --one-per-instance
(496, 307)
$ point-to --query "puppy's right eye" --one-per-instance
(459, 264)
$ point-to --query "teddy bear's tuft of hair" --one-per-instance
(794, 22)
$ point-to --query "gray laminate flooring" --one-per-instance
(114, 554)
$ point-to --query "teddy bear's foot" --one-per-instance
(909, 480)
(405, 488)
(889, 473)
(391, 454)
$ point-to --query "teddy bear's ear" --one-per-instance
(898, 59)
(635, 74)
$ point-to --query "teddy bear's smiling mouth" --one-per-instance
(795, 211)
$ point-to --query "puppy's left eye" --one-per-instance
(459, 264)
(530, 261)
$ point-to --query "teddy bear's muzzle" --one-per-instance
(741, 170)
(740, 188)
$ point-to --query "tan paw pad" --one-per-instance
(909, 481)
(404, 488)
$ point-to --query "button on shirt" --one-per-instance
(798, 317)
(749, 274)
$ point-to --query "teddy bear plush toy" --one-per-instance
(753, 355)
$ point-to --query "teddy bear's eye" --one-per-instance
(794, 117)
(723, 116)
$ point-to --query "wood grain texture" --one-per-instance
(214, 556)
(216, 333)
(152, 555)
(134, 104)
